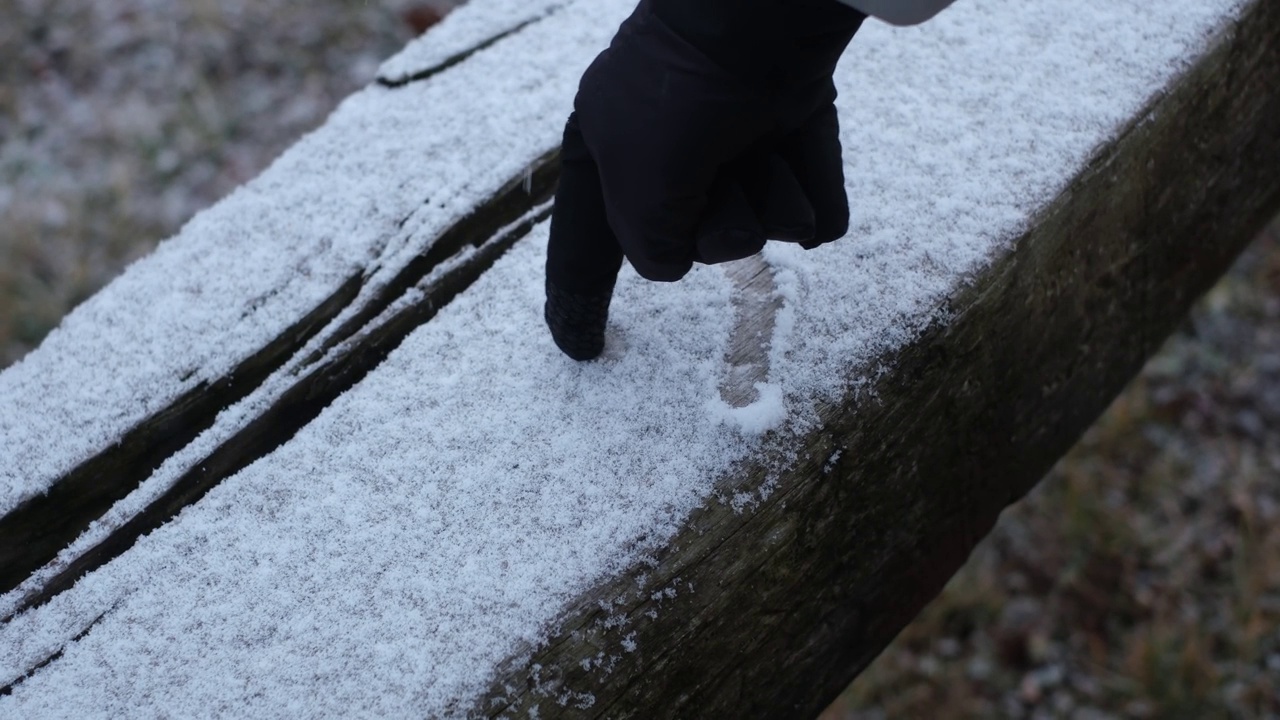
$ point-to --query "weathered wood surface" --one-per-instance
(772, 612)
(326, 346)
(34, 533)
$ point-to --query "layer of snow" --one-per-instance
(440, 514)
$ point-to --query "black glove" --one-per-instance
(706, 127)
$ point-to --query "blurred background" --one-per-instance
(1140, 579)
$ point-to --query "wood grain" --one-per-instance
(756, 303)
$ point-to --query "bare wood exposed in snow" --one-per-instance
(465, 31)
(756, 303)
(771, 612)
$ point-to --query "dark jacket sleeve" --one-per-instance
(899, 12)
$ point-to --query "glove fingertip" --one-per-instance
(661, 271)
(729, 244)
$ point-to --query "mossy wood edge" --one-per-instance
(771, 612)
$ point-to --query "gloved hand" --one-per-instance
(707, 127)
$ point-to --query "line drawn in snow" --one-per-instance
(756, 302)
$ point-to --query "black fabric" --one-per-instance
(577, 321)
(706, 127)
(774, 45)
(583, 256)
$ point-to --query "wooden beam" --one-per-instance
(772, 612)
(769, 610)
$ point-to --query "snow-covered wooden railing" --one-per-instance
(316, 454)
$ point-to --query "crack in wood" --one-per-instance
(30, 672)
(427, 73)
(507, 205)
(486, 234)
(33, 533)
